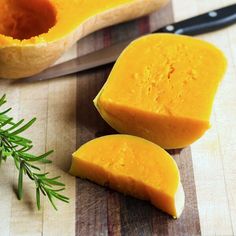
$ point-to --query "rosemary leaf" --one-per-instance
(23, 128)
(38, 198)
(20, 182)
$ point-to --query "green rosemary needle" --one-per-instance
(13, 145)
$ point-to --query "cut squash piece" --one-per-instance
(35, 33)
(133, 166)
(162, 88)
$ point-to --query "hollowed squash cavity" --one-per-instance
(23, 19)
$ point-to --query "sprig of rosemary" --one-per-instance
(15, 146)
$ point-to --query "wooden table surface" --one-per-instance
(67, 118)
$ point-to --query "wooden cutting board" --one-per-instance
(67, 119)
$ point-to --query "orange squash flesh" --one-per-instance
(23, 19)
(34, 33)
(162, 88)
(133, 166)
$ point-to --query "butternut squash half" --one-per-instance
(133, 166)
(162, 88)
(35, 33)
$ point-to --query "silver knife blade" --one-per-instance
(203, 23)
(92, 60)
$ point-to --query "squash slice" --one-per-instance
(162, 88)
(133, 166)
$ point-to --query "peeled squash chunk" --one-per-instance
(35, 33)
(162, 88)
(133, 166)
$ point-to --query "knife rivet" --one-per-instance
(213, 14)
(170, 28)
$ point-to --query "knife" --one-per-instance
(208, 22)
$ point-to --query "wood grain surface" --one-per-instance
(67, 119)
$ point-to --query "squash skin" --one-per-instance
(176, 122)
(157, 129)
(24, 60)
(133, 166)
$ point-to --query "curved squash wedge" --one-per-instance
(35, 33)
(133, 166)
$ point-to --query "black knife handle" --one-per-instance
(208, 22)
